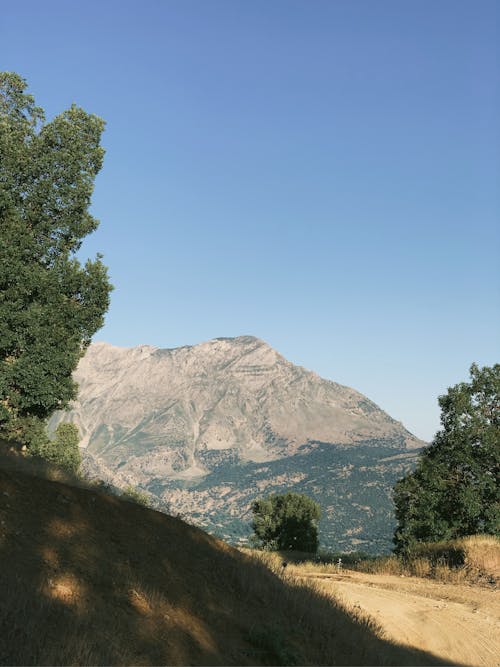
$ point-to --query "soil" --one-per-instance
(458, 623)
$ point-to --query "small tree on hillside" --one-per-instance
(286, 522)
(135, 495)
(454, 490)
(63, 450)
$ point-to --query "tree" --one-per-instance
(63, 450)
(135, 495)
(287, 521)
(50, 305)
(454, 490)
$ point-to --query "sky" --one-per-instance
(323, 175)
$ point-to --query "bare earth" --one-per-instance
(459, 623)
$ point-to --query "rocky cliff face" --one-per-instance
(192, 423)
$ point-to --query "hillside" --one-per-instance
(208, 427)
(89, 579)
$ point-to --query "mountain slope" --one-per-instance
(200, 426)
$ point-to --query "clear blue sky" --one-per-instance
(321, 174)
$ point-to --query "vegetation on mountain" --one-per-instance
(286, 522)
(352, 484)
(454, 490)
(50, 305)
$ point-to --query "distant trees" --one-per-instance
(50, 305)
(454, 490)
(286, 522)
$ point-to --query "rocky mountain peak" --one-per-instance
(224, 394)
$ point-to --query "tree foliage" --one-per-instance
(287, 521)
(63, 449)
(454, 490)
(50, 305)
(134, 495)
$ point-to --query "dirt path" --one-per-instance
(455, 622)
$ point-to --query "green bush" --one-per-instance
(63, 450)
(135, 496)
(286, 522)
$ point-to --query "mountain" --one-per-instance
(210, 427)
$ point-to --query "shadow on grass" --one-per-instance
(89, 579)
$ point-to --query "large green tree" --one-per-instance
(286, 522)
(50, 305)
(454, 490)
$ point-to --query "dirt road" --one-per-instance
(456, 622)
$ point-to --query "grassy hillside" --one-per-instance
(87, 578)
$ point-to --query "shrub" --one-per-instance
(286, 522)
(63, 450)
(135, 496)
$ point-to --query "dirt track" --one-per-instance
(456, 622)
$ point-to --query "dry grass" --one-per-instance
(88, 579)
(24, 622)
(482, 553)
(293, 575)
(474, 559)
